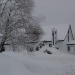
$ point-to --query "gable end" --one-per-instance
(68, 31)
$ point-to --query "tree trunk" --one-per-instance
(2, 48)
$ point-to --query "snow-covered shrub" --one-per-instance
(47, 51)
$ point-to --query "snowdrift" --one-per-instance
(37, 64)
(9, 66)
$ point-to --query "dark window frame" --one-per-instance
(53, 36)
(69, 48)
(68, 35)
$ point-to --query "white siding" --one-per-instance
(60, 45)
(72, 49)
(65, 49)
(63, 44)
(8, 48)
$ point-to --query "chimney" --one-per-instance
(54, 36)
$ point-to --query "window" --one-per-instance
(68, 31)
(68, 48)
(52, 32)
(68, 36)
(55, 32)
(53, 39)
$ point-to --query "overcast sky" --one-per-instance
(56, 11)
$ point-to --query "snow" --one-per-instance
(9, 66)
(63, 28)
(39, 63)
(71, 42)
(46, 47)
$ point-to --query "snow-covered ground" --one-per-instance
(10, 66)
(38, 63)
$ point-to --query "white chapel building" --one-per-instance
(58, 36)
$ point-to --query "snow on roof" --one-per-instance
(61, 31)
(71, 42)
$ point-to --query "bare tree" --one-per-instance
(30, 36)
(16, 15)
(11, 15)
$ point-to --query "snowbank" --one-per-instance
(9, 66)
(42, 52)
(43, 64)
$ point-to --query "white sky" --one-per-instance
(56, 11)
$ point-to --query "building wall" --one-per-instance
(8, 48)
(71, 35)
(65, 48)
(60, 45)
(72, 49)
(63, 44)
(47, 43)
